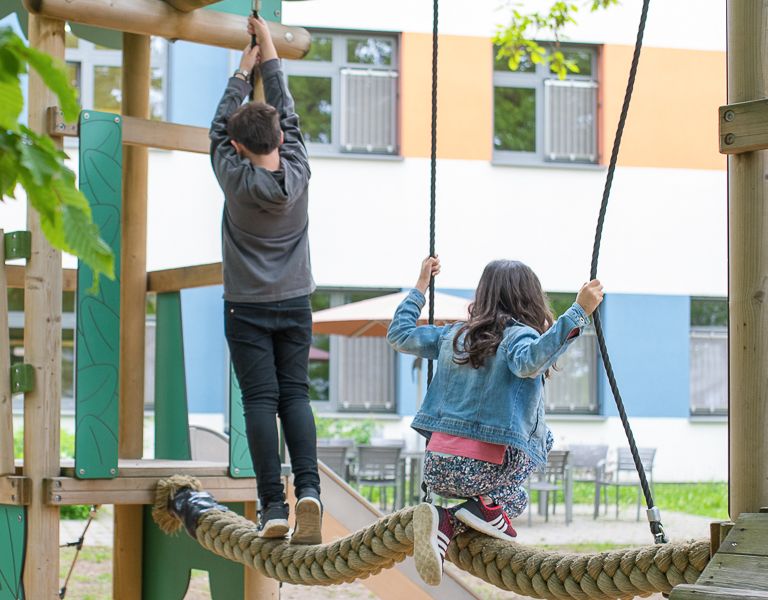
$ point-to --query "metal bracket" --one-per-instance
(22, 378)
(17, 244)
(744, 127)
(57, 127)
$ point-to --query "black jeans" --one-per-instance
(269, 346)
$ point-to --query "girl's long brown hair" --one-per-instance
(508, 291)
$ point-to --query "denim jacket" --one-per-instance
(502, 402)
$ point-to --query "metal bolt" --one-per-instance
(733, 544)
(57, 498)
(237, 470)
(20, 518)
(13, 497)
(82, 471)
(117, 119)
(112, 471)
(61, 125)
(288, 36)
(729, 139)
(57, 484)
(729, 115)
(86, 116)
(277, 12)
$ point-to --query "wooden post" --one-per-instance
(133, 298)
(6, 406)
(42, 349)
(748, 269)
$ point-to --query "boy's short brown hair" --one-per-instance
(256, 126)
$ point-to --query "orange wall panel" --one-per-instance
(464, 95)
(672, 121)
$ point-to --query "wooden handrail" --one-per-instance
(174, 280)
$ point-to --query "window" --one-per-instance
(539, 118)
(345, 91)
(351, 374)
(96, 73)
(572, 387)
(709, 356)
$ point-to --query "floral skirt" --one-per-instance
(460, 477)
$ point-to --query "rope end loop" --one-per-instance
(657, 529)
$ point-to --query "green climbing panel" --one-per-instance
(171, 422)
(240, 464)
(98, 315)
(168, 561)
(12, 540)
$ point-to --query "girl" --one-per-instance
(484, 411)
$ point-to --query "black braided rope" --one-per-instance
(433, 175)
(596, 253)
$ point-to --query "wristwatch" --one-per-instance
(241, 72)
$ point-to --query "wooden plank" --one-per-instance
(150, 17)
(748, 536)
(15, 275)
(137, 490)
(747, 270)
(711, 592)
(6, 404)
(174, 280)
(128, 532)
(15, 490)
(736, 571)
(744, 127)
(42, 349)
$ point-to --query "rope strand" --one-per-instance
(656, 527)
(433, 175)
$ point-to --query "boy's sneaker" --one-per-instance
(490, 520)
(273, 521)
(309, 518)
(432, 532)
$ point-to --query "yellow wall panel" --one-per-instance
(672, 121)
(465, 109)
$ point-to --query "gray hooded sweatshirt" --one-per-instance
(265, 248)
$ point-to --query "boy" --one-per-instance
(260, 162)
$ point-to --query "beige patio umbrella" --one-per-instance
(370, 318)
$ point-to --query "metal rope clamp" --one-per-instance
(657, 529)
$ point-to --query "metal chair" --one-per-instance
(208, 444)
(377, 466)
(552, 478)
(625, 475)
(587, 463)
(335, 458)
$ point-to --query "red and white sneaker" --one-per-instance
(432, 533)
(490, 520)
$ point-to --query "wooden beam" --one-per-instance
(42, 350)
(6, 403)
(190, 5)
(15, 275)
(143, 132)
(744, 127)
(747, 269)
(15, 490)
(128, 530)
(154, 17)
(174, 280)
(138, 490)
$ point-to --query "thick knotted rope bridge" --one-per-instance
(507, 565)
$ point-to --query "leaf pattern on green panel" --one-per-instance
(98, 315)
(12, 540)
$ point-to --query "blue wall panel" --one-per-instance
(205, 353)
(648, 342)
(198, 75)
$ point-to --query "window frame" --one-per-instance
(535, 80)
(333, 70)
